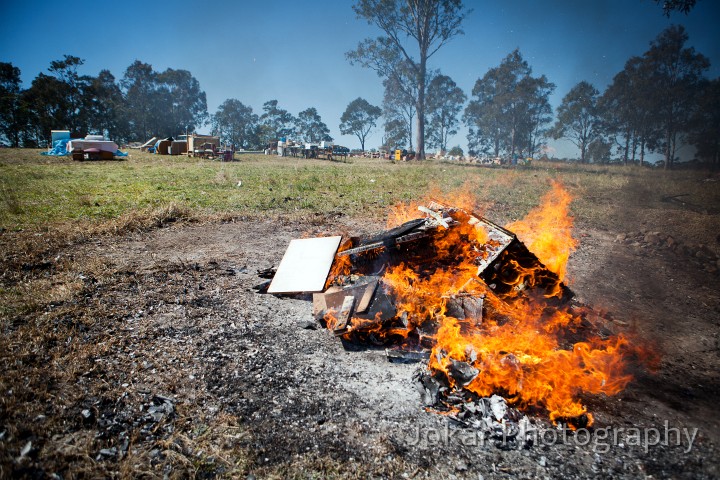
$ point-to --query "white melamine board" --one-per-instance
(305, 265)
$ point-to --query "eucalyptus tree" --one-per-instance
(236, 123)
(676, 72)
(310, 127)
(359, 118)
(275, 123)
(444, 103)
(705, 124)
(399, 109)
(10, 110)
(509, 109)
(577, 117)
(412, 32)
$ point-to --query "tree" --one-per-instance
(510, 109)
(599, 150)
(456, 151)
(705, 124)
(162, 104)
(538, 115)
(142, 108)
(626, 110)
(47, 109)
(676, 73)
(683, 6)
(399, 110)
(396, 134)
(275, 122)
(358, 119)
(577, 117)
(10, 114)
(310, 127)
(73, 88)
(444, 102)
(182, 104)
(236, 123)
(421, 26)
(105, 105)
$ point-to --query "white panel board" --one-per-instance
(305, 265)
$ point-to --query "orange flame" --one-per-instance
(547, 230)
(464, 198)
(534, 353)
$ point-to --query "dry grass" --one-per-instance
(10, 200)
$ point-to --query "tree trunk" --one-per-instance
(667, 150)
(627, 148)
(673, 150)
(642, 152)
(420, 107)
(512, 142)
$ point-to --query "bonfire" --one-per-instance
(487, 306)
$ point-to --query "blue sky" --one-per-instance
(294, 51)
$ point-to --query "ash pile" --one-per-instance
(496, 421)
(455, 291)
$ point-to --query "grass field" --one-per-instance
(38, 191)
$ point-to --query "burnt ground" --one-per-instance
(163, 361)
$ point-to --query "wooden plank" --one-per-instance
(319, 305)
(320, 302)
(345, 312)
(406, 356)
(367, 297)
(305, 265)
(472, 308)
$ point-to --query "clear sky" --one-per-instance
(294, 50)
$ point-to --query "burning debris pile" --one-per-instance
(494, 322)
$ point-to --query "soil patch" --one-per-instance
(166, 362)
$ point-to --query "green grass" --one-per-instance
(43, 191)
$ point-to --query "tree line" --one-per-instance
(659, 102)
(142, 104)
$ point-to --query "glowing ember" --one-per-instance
(520, 337)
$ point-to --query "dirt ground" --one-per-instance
(166, 362)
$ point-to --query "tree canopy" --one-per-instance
(577, 117)
(660, 102)
(444, 103)
(420, 26)
(10, 121)
(509, 109)
(275, 122)
(236, 123)
(358, 119)
(311, 128)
